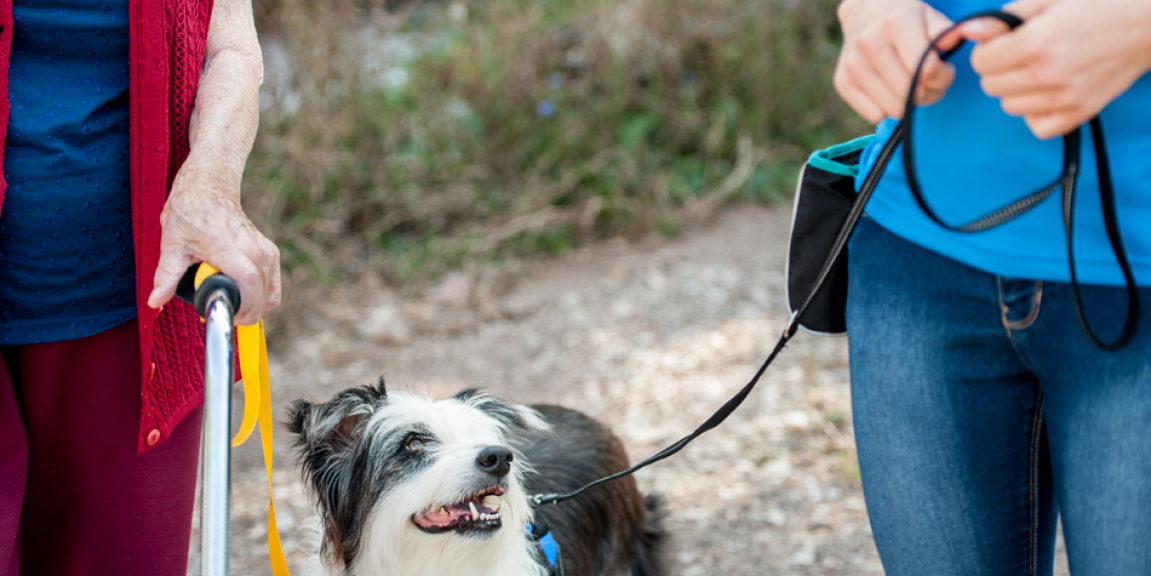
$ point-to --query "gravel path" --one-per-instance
(650, 338)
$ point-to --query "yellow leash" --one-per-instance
(253, 350)
(258, 407)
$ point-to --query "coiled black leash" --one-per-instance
(1072, 145)
(902, 135)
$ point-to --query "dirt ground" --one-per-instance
(650, 337)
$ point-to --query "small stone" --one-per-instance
(776, 517)
(804, 557)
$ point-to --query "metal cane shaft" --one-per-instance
(215, 500)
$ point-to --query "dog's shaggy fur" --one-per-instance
(410, 486)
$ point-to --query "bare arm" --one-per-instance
(202, 220)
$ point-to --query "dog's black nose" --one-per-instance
(495, 460)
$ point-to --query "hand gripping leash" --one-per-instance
(902, 135)
(216, 298)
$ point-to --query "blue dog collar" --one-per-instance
(548, 544)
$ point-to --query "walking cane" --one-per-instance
(216, 299)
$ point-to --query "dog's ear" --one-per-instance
(516, 418)
(325, 434)
(530, 419)
(298, 416)
(327, 430)
(313, 423)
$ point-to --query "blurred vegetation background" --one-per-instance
(411, 137)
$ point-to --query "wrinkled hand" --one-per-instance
(883, 41)
(1066, 63)
(202, 222)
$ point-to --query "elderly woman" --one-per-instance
(128, 123)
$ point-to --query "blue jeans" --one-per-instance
(982, 413)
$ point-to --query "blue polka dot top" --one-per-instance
(66, 261)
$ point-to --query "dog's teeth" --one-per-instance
(492, 502)
(442, 510)
(472, 505)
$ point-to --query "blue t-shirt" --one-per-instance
(67, 268)
(972, 158)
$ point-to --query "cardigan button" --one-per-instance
(153, 437)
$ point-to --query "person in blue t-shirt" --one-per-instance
(983, 415)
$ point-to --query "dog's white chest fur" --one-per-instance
(509, 557)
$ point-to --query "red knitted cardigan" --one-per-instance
(168, 39)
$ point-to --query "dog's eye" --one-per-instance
(414, 443)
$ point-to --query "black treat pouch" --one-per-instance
(823, 199)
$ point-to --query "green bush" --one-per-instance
(529, 127)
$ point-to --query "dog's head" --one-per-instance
(408, 468)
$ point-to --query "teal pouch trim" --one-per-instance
(826, 159)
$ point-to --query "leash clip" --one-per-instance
(538, 499)
(792, 324)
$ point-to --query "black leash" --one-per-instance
(902, 135)
(715, 420)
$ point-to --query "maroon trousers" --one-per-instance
(75, 496)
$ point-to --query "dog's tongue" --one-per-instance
(442, 517)
(449, 516)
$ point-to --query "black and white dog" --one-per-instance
(411, 486)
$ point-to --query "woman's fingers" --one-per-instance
(1046, 126)
(858, 100)
(983, 29)
(1028, 9)
(275, 286)
(1067, 61)
(1001, 53)
(171, 267)
(934, 24)
(937, 75)
(201, 224)
(865, 69)
(893, 57)
(1013, 82)
(1037, 102)
(253, 263)
(251, 277)
(882, 49)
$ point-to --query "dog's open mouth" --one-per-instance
(481, 511)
